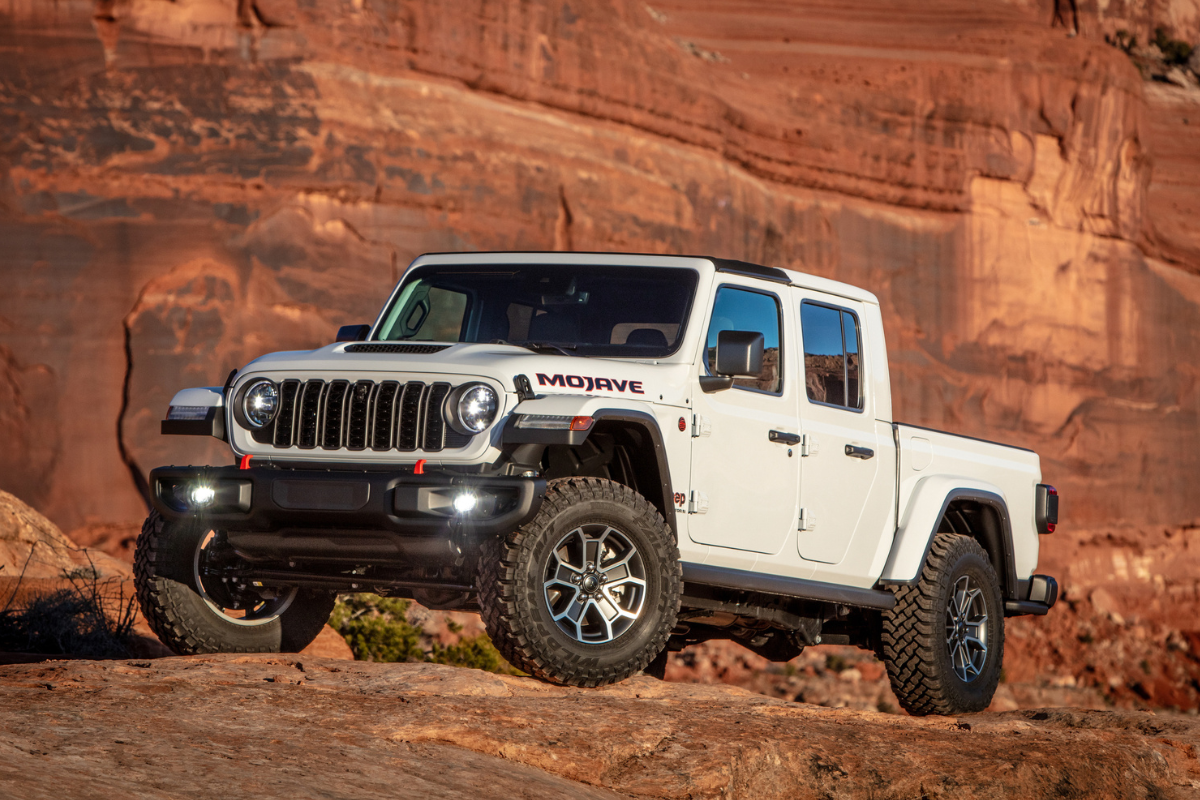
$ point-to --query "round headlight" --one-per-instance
(476, 408)
(259, 403)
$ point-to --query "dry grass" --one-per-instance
(92, 618)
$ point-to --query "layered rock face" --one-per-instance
(185, 185)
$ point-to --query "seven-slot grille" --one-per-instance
(361, 415)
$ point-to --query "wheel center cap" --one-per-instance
(590, 583)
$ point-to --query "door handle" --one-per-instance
(784, 438)
(859, 452)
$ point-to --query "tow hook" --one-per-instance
(458, 542)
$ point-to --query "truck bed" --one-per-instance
(929, 458)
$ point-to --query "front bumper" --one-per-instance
(345, 515)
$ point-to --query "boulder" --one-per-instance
(32, 546)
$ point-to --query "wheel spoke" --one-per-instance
(564, 572)
(616, 573)
(574, 609)
(630, 581)
(621, 611)
(621, 562)
(968, 599)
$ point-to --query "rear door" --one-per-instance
(843, 455)
(744, 478)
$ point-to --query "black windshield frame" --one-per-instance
(639, 298)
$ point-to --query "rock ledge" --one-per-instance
(299, 726)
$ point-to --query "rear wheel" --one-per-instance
(193, 612)
(943, 643)
(586, 593)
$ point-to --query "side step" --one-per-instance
(727, 578)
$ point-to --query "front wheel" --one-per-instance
(586, 594)
(193, 613)
(943, 643)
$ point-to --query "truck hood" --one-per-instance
(548, 373)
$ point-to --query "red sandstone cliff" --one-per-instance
(187, 184)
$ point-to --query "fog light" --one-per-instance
(465, 503)
(201, 496)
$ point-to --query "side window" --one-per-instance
(745, 310)
(832, 362)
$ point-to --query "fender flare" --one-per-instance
(648, 423)
(511, 435)
(910, 547)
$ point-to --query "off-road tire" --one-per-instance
(164, 577)
(513, 603)
(913, 637)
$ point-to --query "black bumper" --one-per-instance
(1042, 594)
(276, 513)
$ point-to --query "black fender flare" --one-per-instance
(513, 436)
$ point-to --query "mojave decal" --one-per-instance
(589, 384)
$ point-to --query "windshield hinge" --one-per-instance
(524, 388)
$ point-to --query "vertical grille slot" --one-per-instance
(359, 415)
(335, 408)
(284, 421)
(435, 425)
(384, 428)
(362, 415)
(310, 406)
(410, 416)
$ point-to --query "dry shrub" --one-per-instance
(91, 619)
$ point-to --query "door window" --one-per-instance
(832, 358)
(746, 310)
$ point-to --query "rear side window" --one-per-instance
(832, 358)
(746, 310)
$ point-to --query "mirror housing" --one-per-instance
(353, 333)
(739, 354)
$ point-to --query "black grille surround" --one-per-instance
(361, 415)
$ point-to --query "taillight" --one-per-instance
(1046, 508)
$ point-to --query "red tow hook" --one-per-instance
(245, 463)
(419, 467)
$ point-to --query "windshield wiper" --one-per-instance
(540, 347)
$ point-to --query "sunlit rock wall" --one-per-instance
(187, 184)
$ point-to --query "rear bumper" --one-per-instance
(1042, 595)
(344, 515)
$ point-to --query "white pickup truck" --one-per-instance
(611, 457)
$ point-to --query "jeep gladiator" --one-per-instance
(609, 457)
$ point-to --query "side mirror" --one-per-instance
(739, 355)
(353, 333)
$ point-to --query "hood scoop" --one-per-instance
(407, 349)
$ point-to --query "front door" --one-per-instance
(745, 479)
(843, 454)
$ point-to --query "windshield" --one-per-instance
(637, 312)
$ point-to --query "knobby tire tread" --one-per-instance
(911, 632)
(527, 644)
(159, 595)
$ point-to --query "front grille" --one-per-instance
(408, 349)
(361, 415)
